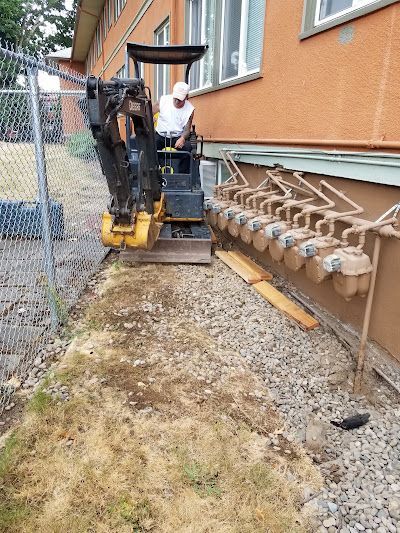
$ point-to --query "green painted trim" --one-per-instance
(145, 6)
(373, 167)
(309, 29)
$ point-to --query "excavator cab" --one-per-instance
(163, 207)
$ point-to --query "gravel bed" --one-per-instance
(309, 376)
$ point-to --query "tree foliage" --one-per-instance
(39, 26)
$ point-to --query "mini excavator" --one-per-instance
(155, 212)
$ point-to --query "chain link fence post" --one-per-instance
(48, 252)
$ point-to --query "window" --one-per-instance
(118, 7)
(109, 14)
(202, 31)
(320, 15)
(162, 72)
(98, 41)
(121, 72)
(104, 22)
(234, 32)
(242, 37)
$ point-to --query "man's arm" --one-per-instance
(186, 133)
(156, 107)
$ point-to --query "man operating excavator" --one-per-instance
(174, 122)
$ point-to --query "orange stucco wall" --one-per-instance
(323, 87)
(317, 88)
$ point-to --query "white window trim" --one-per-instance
(158, 31)
(242, 72)
(118, 8)
(203, 40)
(110, 14)
(318, 22)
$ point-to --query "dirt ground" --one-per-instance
(147, 425)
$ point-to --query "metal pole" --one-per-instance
(367, 317)
(48, 252)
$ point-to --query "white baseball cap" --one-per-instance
(180, 90)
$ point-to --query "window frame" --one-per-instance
(98, 41)
(217, 83)
(119, 6)
(309, 27)
(110, 13)
(166, 68)
(203, 37)
(104, 22)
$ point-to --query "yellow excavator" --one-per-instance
(155, 212)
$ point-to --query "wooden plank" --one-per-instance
(242, 271)
(251, 265)
(214, 239)
(289, 308)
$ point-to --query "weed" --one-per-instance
(7, 453)
(116, 265)
(11, 514)
(203, 482)
(137, 514)
(40, 401)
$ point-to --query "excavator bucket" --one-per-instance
(187, 244)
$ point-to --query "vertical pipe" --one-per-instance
(48, 252)
(367, 317)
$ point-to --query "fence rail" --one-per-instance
(52, 193)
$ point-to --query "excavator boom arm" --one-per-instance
(105, 101)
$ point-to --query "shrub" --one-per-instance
(82, 145)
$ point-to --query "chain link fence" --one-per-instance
(52, 193)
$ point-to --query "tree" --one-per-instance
(11, 14)
(39, 26)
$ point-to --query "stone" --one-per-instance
(329, 522)
(394, 508)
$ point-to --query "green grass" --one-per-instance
(40, 401)
(7, 453)
(203, 482)
(137, 514)
(11, 512)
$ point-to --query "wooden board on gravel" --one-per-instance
(239, 268)
(214, 239)
(289, 308)
(251, 265)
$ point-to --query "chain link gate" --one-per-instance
(52, 193)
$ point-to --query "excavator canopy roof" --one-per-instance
(182, 54)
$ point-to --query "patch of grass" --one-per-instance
(138, 514)
(12, 514)
(203, 482)
(7, 453)
(40, 401)
(116, 265)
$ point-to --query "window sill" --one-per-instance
(344, 18)
(226, 84)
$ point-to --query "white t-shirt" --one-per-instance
(171, 120)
